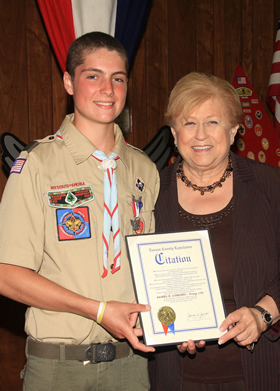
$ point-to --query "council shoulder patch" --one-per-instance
(73, 224)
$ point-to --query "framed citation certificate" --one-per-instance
(175, 274)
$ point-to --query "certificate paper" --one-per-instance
(175, 274)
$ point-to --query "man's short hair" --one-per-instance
(90, 42)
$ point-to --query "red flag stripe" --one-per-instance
(273, 93)
(58, 18)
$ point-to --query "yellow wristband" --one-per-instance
(100, 311)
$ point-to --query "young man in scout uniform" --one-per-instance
(69, 202)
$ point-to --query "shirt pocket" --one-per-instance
(68, 214)
(139, 210)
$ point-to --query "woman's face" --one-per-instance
(204, 138)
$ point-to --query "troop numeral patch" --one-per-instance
(70, 198)
(73, 223)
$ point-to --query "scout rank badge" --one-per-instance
(137, 223)
(167, 316)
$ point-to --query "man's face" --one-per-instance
(99, 87)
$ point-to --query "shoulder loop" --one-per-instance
(137, 149)
(30, 146)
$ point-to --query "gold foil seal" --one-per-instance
(166, 315)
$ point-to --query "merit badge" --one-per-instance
(262, 157)
(140, 185)
(240, 144)
(166, 315)
(251, 155)
(73, 223)
(241, 130)
(137, 223)
(258, 114)
(265, 144)
(70, 198)
(17, 166)
(258, 130)
(248, 121)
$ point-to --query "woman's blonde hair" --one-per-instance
(196, 88)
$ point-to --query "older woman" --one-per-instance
(238, 200)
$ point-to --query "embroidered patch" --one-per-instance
(258, 130)
(244, 91)
(70, 198)
(17, 166)
(140, 185)
(73, 223)
(248, 121)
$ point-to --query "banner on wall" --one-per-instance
(256, 137)
(66, 20)
(273, 93)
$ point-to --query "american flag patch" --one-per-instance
(18, 166)
(241, 80)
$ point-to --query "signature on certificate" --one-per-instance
(194, 317)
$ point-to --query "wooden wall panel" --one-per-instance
(246, 31)
(137, 95)
(262, 47)
(181, 40)
(181, 36)
(232, 39)
(13, 72)
(204, 36)
(39, 74)
(219, 38)
(157, 69)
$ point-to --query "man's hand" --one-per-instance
(119, 319)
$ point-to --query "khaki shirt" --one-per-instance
(32, 234)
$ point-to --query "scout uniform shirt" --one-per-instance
(52, 218)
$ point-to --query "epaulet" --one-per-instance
(35, 143)
(137, 149)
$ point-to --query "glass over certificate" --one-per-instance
(175, 274)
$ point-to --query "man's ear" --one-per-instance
(68, 85)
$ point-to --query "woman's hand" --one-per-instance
(245, 326)
(190, 346)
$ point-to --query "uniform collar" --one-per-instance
(81, 147)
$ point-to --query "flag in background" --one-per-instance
(256, 137)
(66, 20)
(273, 94)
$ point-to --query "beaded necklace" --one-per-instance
(210, 188)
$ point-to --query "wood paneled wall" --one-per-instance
(181, 36)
